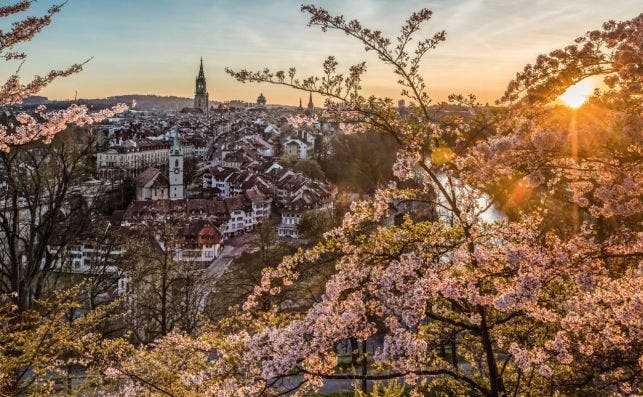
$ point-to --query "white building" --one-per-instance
(130, 156)
(306, 198)
(151, 184)
(135, 155)
(296, 148)
(241, 220)
(88, 258)
(199, 242)
(260, 204)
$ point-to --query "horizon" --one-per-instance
(135, 57)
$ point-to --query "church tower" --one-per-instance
(310, 110)
(175, 168)
(261, 101)
(201, 94)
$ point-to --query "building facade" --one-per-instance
(151, 184)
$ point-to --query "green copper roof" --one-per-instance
(176, 144)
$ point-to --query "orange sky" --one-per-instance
(153, 47)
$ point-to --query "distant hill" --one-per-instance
(142, 102)
(36, 99)
(154, 102)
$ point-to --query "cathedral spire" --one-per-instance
(201, 93)
(310, 110)
(201, 74)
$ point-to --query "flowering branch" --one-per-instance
(27, 129)
(614, 52)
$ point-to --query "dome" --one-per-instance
(261, 99)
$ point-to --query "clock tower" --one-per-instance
(175, 168)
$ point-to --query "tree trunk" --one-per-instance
(495, 381)
(364, 362)
(163, 313)
(454, 351)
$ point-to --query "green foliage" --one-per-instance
(315, 223)
(40, 346)
(234, 286)
(118, 198)
(190, 169)
(310, 168)
(361, 162)
(286, 160)
(391, 389)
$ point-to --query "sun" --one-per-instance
(577, 94)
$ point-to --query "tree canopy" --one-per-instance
(470, 302)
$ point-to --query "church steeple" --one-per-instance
(310, 110)
(201, 94)
(176, 144)
(201, 74)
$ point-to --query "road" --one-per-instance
(232, 249)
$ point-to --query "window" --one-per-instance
(176, 163)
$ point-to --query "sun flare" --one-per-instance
(577, 95)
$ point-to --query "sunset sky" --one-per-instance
(153, 46)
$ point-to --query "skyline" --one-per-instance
(154, 47)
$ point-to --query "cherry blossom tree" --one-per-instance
(43, 332)
(37, 179)
(45, 125)
(46, 343)
(465, 303)
(163, 292)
